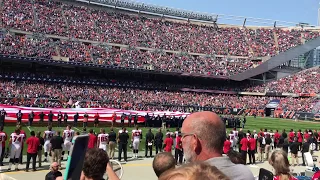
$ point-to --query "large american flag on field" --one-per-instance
(104, 113)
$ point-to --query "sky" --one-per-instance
(295, 11)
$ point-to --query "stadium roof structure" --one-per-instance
(186, 14)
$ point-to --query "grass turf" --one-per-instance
(252, 124)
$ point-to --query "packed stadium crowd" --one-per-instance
(302, 82)
(83, 22)
(137, 99)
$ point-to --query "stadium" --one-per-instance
(138, 64)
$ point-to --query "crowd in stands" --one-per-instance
(303, 82)
(114, 56)
(60, 94)
(83, 22)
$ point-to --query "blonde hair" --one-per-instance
(194, 171)
(279, 161)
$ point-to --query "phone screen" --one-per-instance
(76, 158)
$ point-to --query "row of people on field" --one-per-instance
(264, 141)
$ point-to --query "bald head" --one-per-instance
(163, 162)
(209, 129)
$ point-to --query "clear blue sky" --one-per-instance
(285, 10)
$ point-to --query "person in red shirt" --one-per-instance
(244, 148)
(33, 145)
(291, 136)
(168, 142)
(3, 139)
(226, 145)
(92, 140)
(96, 120)
(306, 135)
(114, 118)
(276, 138)
(252, 149)
(178, 154)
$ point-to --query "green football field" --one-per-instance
(252, 124)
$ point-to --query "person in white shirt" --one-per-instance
(231, 135)
(47, 136)
(15, 143)
(67, 136)
(103, 140)
(135, 138)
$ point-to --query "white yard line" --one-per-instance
(6, 177)
(76, 128)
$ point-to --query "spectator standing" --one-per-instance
(50, 118)
(54, 172)
(168, 142)
(252, 149)
(59, 119)
(200, 145)
(129, 120)
(23, 140)
(92, 140)
(163, 162)
(178, 154)
(276, 138)
(39, 154)
(33, 145)
(85, 120)
(31, 116)
(304, 149)
(268, 146)
(123, 116)
(285, 146)
(244, 148)
(227, 145)
(65, 118)
(135, 119)
(56, 148)
(41, 118)
(113, 119)
(261, 147)
(294, 148)
(112, 143)
(96, 120)
(4, 138)
(75, 119)
(19, 117)
(3, 115)
(123, 137)
(149, 143)
(159, 141)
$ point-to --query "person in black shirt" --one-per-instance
(50, 118)
(147, 120)
(112, 143)
(158, 141)
(3, 114)
(56, 148)
(294, 148)
(285, 145)
(75, 119)
(31, 116)
(123, 116)
(65, 118)
(122, 143)
(129, 119)
(40, 147)
(149, 143)
(284, 134)
(54, 173)
(268, 146)
(41, 116)
(19, 117)
(135, 120)
(305, 148)
(59, 118)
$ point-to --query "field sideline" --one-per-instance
(252, 124)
